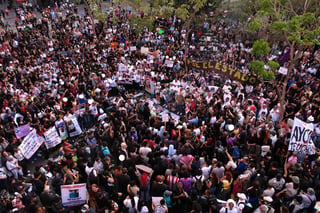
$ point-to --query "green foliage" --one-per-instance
(260, 47)
(254, 25)
(163, 8)
(101, 16)
(77, 1)
(138, 24)
(182, 12)
(268, 76)
(279, 26)
(257, 66)
(273, 65)
(189, 7)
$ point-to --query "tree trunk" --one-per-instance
(285, 83)
(186, 48)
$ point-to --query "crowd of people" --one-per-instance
(197, 143)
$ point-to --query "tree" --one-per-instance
(187, 11)
(296, 23)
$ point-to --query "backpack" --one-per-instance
(198, 184)
(105, 151)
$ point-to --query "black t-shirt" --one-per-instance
(122, 182)
(158, 189)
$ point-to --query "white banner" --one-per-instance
(52, 138)
(30, 144)
(73, 195)
(72, 125)
(300, 140)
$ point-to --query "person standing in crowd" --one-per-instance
(135, 105)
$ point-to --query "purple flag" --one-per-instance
(285, 57)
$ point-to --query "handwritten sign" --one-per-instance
(52, 138)
(300, 140)
(30, 144)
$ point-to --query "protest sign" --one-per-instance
(73, 126)
(30, 144)
(144, 50)
(169, 63)
(150, 86)
(73, 195)
(144, 168)
(283, 70)
(52, 138)
(122, 67)
(165, 117)
(22, 131)
(133, 48)
(62, 129)
(300, 140)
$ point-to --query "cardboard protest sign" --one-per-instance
(300, 140)
(133, 48)
(72, 125)
(62, 129)
(144, 168)
(52, 138)
(30, 144)
(144, 50)
(169, 63)
(73, 195)
(283, 70)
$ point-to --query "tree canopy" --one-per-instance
(296, 23)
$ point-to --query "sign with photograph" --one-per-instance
(62, 129)
(73, 195)
(73, 126)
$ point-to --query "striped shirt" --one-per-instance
(172, 181)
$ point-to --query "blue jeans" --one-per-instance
(145, 193)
